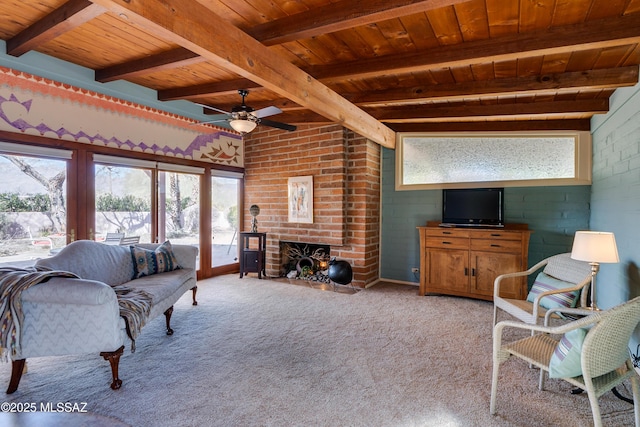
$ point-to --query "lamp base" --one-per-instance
(594, 271)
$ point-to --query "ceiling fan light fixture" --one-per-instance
(242, 125)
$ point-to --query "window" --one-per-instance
(33, 201)
(430, 161)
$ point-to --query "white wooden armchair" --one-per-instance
(604, 360)
(575, 274)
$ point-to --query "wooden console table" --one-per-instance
(253, 254)
(466, 261)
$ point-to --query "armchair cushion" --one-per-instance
(544, 283)
(566, 359)
(147, 262)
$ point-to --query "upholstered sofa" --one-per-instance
(67, 315)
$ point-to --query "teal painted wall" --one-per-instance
(553, 213)
(615, 198)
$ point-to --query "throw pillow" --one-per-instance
(565, 360)
(147, 262)
(544, 283)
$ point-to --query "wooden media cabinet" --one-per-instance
(465, 261)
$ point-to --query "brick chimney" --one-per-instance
(346, 178)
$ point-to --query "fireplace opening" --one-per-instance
(308, 261)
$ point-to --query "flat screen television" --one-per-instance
(473, 207)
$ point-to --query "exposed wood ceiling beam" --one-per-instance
(339, 16)
(302, 117)
(206, 90)
(441, 112)
(590, 35)
(196, 28)
(495, 126)
(67, 17)
(163, 61)
(609, 78)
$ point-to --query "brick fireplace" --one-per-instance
(346, 178)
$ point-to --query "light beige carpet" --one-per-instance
(265, 353)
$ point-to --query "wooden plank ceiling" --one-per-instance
(375, 66)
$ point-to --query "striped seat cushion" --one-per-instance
(566, 361)
(544, 283)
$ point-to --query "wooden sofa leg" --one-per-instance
(114, 360)
(194, 289)
(17, 366)
(167, 316)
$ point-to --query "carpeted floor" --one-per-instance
(265, 353)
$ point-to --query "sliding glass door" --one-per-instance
(179, 208)
(179, 205)
(225, 191)
(123, 201)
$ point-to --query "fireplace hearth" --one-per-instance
(307, 261)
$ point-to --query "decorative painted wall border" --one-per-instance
(38, 106)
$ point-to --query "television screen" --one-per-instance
(473, 207)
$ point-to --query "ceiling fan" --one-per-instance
(244, 119)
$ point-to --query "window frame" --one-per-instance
(582, 166)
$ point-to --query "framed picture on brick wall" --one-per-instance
(300, 196)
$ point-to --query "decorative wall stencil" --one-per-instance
(38, 106)
(227, 153)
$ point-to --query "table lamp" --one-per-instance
(595, 247)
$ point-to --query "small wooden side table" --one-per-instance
(253, 253)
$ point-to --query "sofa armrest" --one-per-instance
(66, 290)
(186, 255)
(70, 316)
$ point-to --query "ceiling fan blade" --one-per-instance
(266, 112)
(278, 125)
(212, 108)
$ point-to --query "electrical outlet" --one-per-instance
(415, 270)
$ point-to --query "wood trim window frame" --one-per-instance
(81, 189)
(582, 156)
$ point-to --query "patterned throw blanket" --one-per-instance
(134, 304)
(13, 281)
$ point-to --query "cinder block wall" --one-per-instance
(616, 195)
(553, 213)
(346, 177)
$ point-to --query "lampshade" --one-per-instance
(595, 246)
(242, 125)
